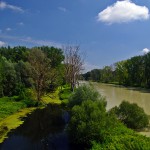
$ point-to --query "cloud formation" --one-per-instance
(20, 23)
(32, 41)
(2, 43)
(145, 51)
(4, 5)
(123, 11)
(8, 29)
(62, 9)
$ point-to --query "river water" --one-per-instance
(116, 94)
(44, 129)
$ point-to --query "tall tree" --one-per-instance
(40, 70)
(73, 63)
(7, 77)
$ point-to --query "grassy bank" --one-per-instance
(12, 122)
(11, 110)
(9, 106)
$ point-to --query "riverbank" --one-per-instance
(12, 112)
(12, 122)
(127, 86)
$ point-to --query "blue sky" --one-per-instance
(106, 30)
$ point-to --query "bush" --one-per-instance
(64, 94)
(84, 93)
(132, 115)
(87, 121)
(122, 138)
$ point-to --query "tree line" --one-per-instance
(42, 69)
(131, 72)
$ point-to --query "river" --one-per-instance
(44, 129)
(116, 94)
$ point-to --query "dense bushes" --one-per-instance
(122, 138)
(132, 115)
(84, 93)
(87, 121)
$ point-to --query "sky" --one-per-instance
(107, 31)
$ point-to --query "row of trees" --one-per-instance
(131, 72)
(41, 68)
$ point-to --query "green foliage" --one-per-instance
(9, 106)
(131, 72)
(84, 93)
(54, 54)
(15, 69)
(93, 127)
(65, 93)
(87, 121)
(8, 77)
(122, 138)
(132, 115)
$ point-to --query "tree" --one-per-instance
(40, 70)
(54, 54)
(73, 63)
(87, 122)
(106, 74)
(132, 115)
(7, 77)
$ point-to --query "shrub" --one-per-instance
(84, 93)
(132, 115)
(87, 121)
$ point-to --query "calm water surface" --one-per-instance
(44, 129)
(116, 94)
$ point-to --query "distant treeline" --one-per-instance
(131, 72)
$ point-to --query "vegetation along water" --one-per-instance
(42, 106)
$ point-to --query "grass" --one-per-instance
(52, 98)
(60, 96)
(12, 122)
(8, 106)
(10, 113)
(64, 94)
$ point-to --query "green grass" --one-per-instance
(65, 93)
(8, 106)
(12, 122)
(10, 113)
(52, 98)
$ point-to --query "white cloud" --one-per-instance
(8, 29)
(2, 43)
(20, 23)
(145, 51)
(123, 11)
(4, 5)
(62, 9)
